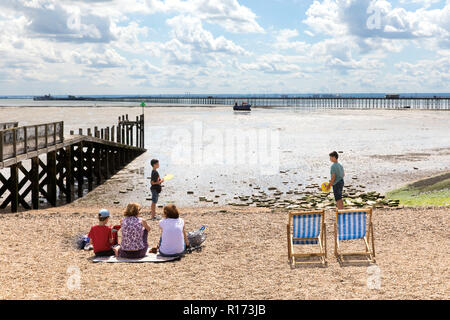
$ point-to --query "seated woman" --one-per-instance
(134, 244)
(174, 240)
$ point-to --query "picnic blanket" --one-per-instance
(149, 258)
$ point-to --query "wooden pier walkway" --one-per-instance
(57, 164)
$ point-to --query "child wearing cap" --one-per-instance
(101, 236)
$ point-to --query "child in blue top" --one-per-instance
(337, 179)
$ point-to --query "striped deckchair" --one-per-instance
(353, 225)
(306, 228)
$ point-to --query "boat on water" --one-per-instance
(44, 98)
(49, 97)
(243, 107)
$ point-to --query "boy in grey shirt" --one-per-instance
(337, 179)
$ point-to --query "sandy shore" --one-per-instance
(244, 258)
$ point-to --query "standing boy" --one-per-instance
(337, 179)
(156, 188)
(101, 236)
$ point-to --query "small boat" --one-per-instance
(243, 107)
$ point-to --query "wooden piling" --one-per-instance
(51, 178)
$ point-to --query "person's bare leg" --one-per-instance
(153, 210)
(340, 204)
(116, 251)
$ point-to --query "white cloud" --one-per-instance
(283, 41)
(229, 14)
(189, 30)
(201, 45)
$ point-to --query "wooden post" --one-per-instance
(80, 169)
(60, 165)
(131, 134)
(138, 129)
(14, 187)
(122, 139)
(46, 135)
(113, 160)
(69, 174)
(89, 167)
(35, 182)
(122, 158)
(113, 129)
(54, 133)
(51, 177)
(128, 134)
(14, 131)
(25, 140)
(89, 132)
(117, 159)
(61, 134)
(118, 133)
(106, 161)
(97, 164)
(1, 146)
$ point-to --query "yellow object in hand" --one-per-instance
(168, 177)
(324, 187)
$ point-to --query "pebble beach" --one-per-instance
(245, 257)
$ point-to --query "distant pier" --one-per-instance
(58, 164)
(321, 102)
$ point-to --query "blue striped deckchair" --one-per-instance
(306, 228)
(353, 225)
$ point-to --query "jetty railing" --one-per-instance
(127, 132)
(8, 125)
(21, 140)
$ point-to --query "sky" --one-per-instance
(224, 46)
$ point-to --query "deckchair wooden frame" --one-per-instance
(368, 239)
(322, 239)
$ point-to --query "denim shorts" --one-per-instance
(155, 196)
(337, 190)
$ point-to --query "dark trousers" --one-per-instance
(108, 253)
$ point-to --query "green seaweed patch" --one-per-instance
(433, 191)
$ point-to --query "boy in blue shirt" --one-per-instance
(337, 179)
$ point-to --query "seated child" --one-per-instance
(174, 240)
(101, 236)
(134, 244)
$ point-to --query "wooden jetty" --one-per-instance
(58, 164)
(320, 102)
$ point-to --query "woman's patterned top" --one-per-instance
(132, 234)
